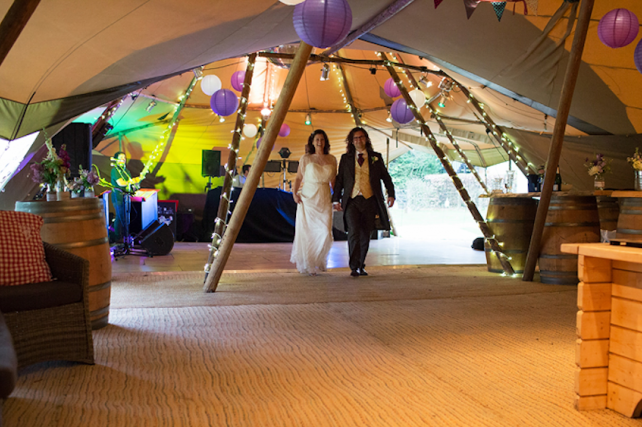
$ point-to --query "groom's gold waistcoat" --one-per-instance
(362, 178)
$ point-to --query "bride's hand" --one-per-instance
(296, 197)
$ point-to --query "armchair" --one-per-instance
(50, 320)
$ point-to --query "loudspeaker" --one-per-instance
(211, 163)
(273, 166)
(77, 138)
(157, 239)
(293, 166)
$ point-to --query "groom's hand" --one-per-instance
(391, 201)
(337, 206)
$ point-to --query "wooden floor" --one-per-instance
(392, 251)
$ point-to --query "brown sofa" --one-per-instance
(8, 364)
(50, 320)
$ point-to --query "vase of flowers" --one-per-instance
(597, 168)
(636, 163)
(52, 171)
(84, 183)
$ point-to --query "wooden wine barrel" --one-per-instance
(570, 219)
(608, 209)
(629, 224)
(511, 220)
(78, 226)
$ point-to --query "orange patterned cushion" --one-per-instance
(22, 256)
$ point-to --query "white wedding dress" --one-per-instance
(313, 228)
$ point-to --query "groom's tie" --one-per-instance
(360, 159)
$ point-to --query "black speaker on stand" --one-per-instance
(157, 239)
(77, 139)
(211, 166)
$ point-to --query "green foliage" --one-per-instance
(414, 165)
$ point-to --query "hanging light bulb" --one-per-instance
(442, 103)
(308, 119)
(151, 105)
(325, 72)
(265, 112)
(389, 119)
(221, 119)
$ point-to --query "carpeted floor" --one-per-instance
(442, 346)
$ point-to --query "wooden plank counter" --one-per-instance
(609, 327)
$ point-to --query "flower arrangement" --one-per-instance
(86, 180)
(636, 160)
(54, 169)
(598, 167)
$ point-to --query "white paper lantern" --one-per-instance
(418, 97)
(210, 84)
(291, 2)
(250, 131)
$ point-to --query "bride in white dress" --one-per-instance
(313, 228)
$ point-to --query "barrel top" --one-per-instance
(40, 206)
(571, 193)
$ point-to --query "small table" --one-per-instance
(608, 352)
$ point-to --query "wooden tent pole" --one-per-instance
(230, 166)
(13, 23)
(242, 205)
(353, 108)
(555, 150)
(488, 234)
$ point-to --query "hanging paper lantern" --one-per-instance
(418, 97)
(391, 89)
(210, 84)
(250, 130)
(400, 111)
(322, 23)
(224, 102)
(618, 28)
(637, 56)
(291, 2)
(237, 80)
(284, 131)
(258, 143)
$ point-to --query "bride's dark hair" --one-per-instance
(309, 148)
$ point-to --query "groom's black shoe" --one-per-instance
(363, 272)
(354, 273)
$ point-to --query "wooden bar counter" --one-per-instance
(609, 327)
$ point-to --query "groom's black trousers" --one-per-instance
(360, 219)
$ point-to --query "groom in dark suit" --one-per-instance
(357, 192)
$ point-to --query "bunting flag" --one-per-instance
(438, 2)
(470, 5)
(499, 9)
(531, 7)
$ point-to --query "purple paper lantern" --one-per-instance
(237, 80)
(284, 131)
(618, 28)
(637, 56)
(258, 143)
(224, 102)
(322, 23)
(391, 88)
(400, 112)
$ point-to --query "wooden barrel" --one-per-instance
(629, 224)
(78, 226)
(570, 219)
(511, 220)
(608, 209)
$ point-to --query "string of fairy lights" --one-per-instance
(490, 237)
(498, 133)
(221, 222)
(165, 136)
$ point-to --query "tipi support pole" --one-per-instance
(13, 23)
(348, 95)
(230, 166)
(488, 234)
(555, 150)
(242, 205)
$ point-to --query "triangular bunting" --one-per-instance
(499, 9)
(531, 7)
(438, 2)
(471, 5)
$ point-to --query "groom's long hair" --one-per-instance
(350, 146)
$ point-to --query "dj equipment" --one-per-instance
(77, 139)
(273, 166)
(293, 166)
(157, 239)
